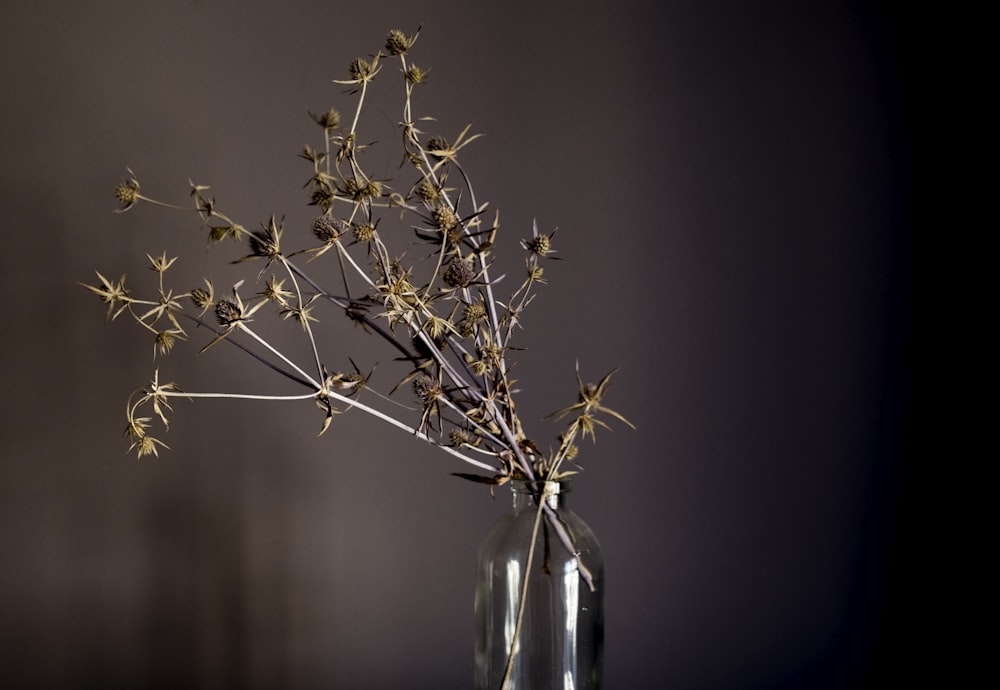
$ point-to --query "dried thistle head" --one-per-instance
(203, 298)
(274, 291)
(323, 197)
(363, 71)
(473, 315)
(428, 192)
(127, 192)
(459, 274)
(539, 245)
(444, 218)
(397, 43)
(361, 190)
(437, 147)
(427, 388)
(416, 75)
(165, 340)
(329, 120)
(228, 311)
(266, 243)
(364, 232)
(327, 229)
(113, 294)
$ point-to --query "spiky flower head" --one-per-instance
(127, 192)
(361, 69)
(397, 43)
(364, 232)
(426, 388)
(363, 190)
(458, 438)
(444, 218)
(539, 245)
(329, 120)
(326, 229)
(416, 75)
(323, 197)
(459, 273)
(228, 311)
(437, 145)
(428, 192)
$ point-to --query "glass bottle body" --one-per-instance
(561, 640)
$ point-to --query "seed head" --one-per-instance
(428, 192)
(458, 438)
(472, 315)
(326, 229)
(363, 190)
(364, 232)
(426, 388)
(266, 242)
(459, 273)
(416, 75)
(437, 144)
(165, 341)
(539, 244)
(361, 70)
(203, 298)
(444, 218)
(329, 120)
(323, 197)
(397, 43)
(127, 193)
(228, 312)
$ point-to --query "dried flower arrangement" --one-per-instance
(438, 313)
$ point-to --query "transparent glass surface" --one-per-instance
(560, 646)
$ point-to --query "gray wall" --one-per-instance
(731, 186)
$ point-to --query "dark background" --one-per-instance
(736, 191)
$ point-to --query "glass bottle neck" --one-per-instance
(526, 494)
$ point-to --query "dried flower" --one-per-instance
(113, 294)
(364, 232)
(459, 273)
(127, 192)
(329, 120)
(416, 75)
(228, 312)
(326, 229)
(426, 388)
(397, 43)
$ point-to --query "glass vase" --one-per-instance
(561, 640)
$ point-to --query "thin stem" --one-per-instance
(246, 329)
(523, 598)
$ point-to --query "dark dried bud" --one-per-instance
(458, 438)
(228, 312)
(474, 312)
(266, 242)
(263, 245)
(459, 273)
(326, 229)
(437, 144)
(363, 190)
(426, 388)
(323, 197)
